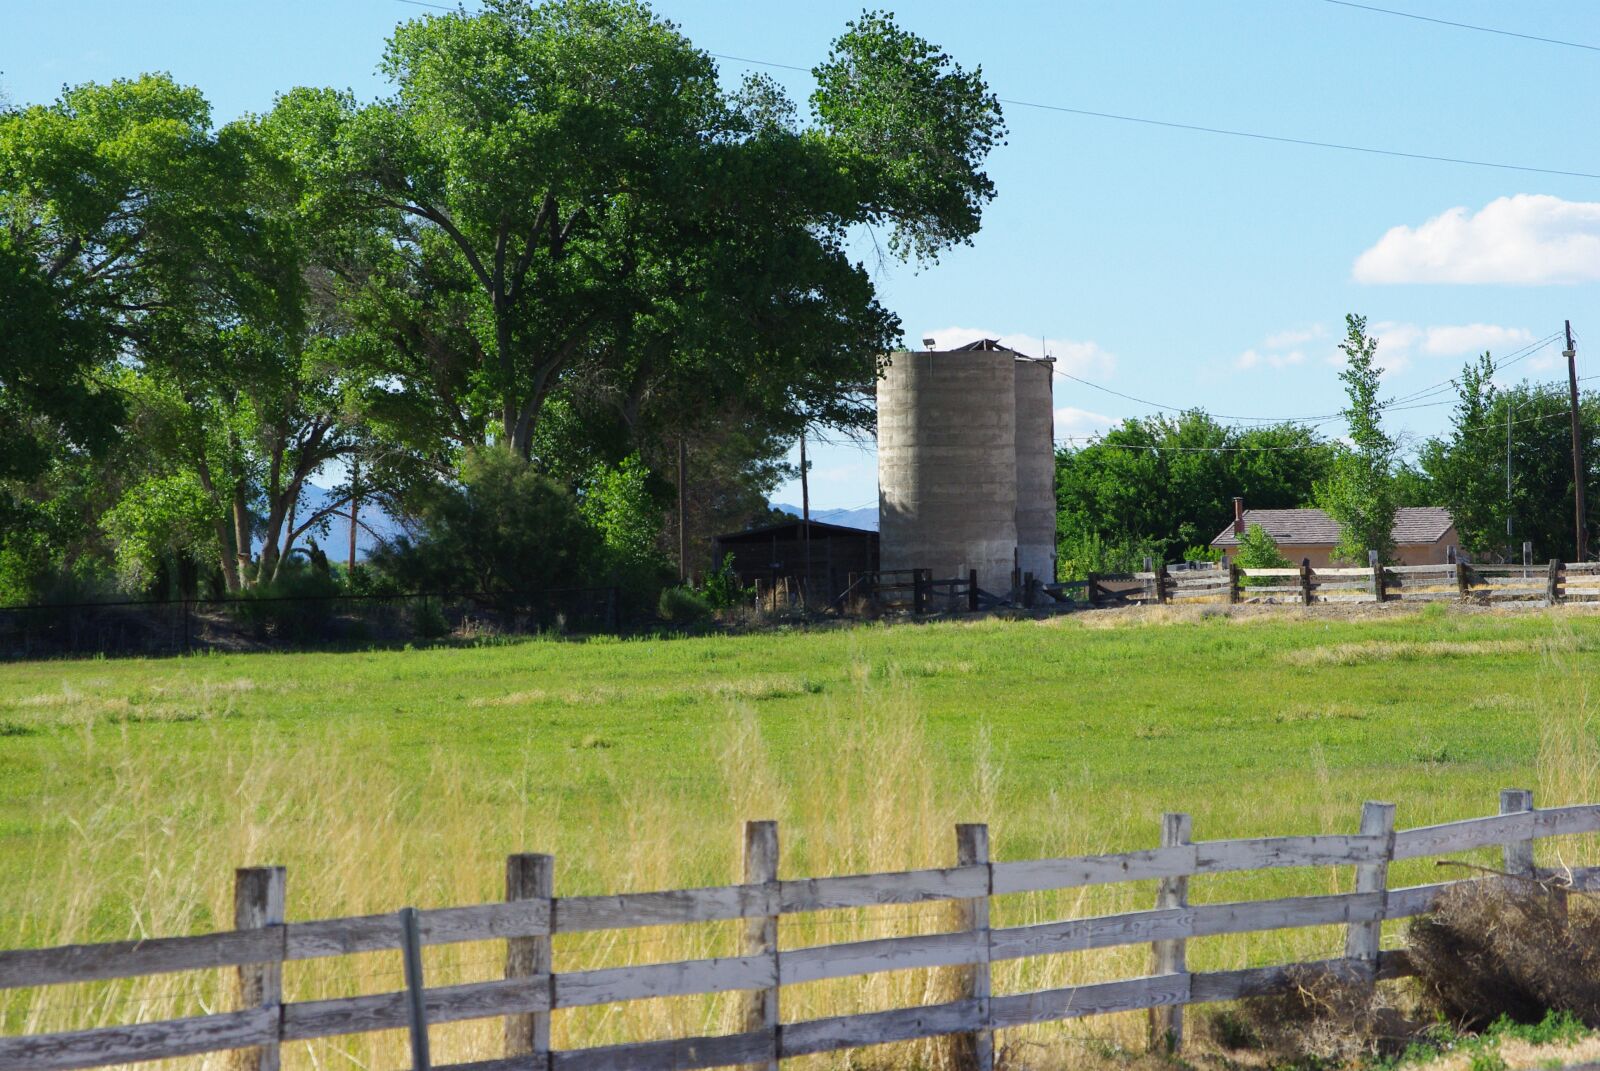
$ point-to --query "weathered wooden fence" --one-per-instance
(532, 988)
(1547, 584)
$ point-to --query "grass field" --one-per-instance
(131, 788)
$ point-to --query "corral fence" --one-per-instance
(245, 623)
(534, 986)
(918, 591)
(1545, 584)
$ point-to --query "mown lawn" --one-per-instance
(131, 787)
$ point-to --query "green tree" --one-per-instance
(1468, 465)
(506, 529)
(567, 187)
(1154, 487)
(1258, 550)
(1360, 492)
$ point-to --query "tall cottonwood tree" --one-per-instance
(568, 191)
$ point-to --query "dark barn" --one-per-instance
(775, 551)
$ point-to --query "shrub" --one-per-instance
(1486, 951)
(722, 589)
(683, 606)
(506, 528)
(1325, 1017)
(427, 619)
(296, 606)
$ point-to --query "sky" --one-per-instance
(1177, 267)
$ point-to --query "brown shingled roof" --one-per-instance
(1313, 527)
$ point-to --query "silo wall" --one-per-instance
(947, 467)
(1036, 468)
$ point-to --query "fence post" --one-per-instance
(1091, 589)
(1552, 593)
(530, 876)
(416, 1004)
(761, 933)
(258, 902)
(1362, 940)
(1377, 575)
(1027, 591)
(1517, 855)
(1170, 957)
(1305, 581)
(975, 1051)
(1233, 582)
(1162, 594)
(972, 590)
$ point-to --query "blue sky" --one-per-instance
(1175, 266)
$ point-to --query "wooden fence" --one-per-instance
(1548, 584)
(263, 942)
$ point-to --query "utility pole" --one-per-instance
(683, 538)
(805, 510)
(355, 507)
(1580, 525)
(1508, 475)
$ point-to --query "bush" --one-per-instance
(1327, 1016)
(683, 606)
(505, 529)
(428, 621)
(1486, 951)
(297, 606)
(722, 589)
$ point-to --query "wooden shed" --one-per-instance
(775, 551)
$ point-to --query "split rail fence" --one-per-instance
(263, 942)
(1548, 584)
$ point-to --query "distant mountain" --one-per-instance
(374, 525)
(865, 517)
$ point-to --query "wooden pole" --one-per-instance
(761, 933)
(1305, 581)
(972, 590)
(1552, 584)
(1377, 575)
(258, 902)
(1362, 940)
(529, 877)
(805, 515)
(416, 1005)
(355, 509)
(1233, 582)
(1517, 855)
(975, 1050)
(1580, 523)
(1170, 957)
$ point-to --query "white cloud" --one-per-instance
(1474, 338)
(1255, 359)
(1081, 358)
(1294, 337)
(1079, 424)
(1525, 240)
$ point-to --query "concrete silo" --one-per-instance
(966, 464)
(1036, 468)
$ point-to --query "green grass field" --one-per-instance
(132, 787)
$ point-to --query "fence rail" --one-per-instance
(263, 941)
(1546, 584)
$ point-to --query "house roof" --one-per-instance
(792, 529)
(1313, 527)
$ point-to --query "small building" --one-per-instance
(774, 552)
(1423, 535)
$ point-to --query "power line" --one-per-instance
(1194, 127)
(1465, 25)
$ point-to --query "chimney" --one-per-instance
(1238, 515)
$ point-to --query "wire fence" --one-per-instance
(247, 623)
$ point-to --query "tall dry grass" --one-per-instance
(152, 854)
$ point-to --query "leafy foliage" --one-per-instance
(507, 529)
(1258, 550)
(1153, 487)
(1467, 466)
(1360, 492)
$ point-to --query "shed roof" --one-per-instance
(1312, 527)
